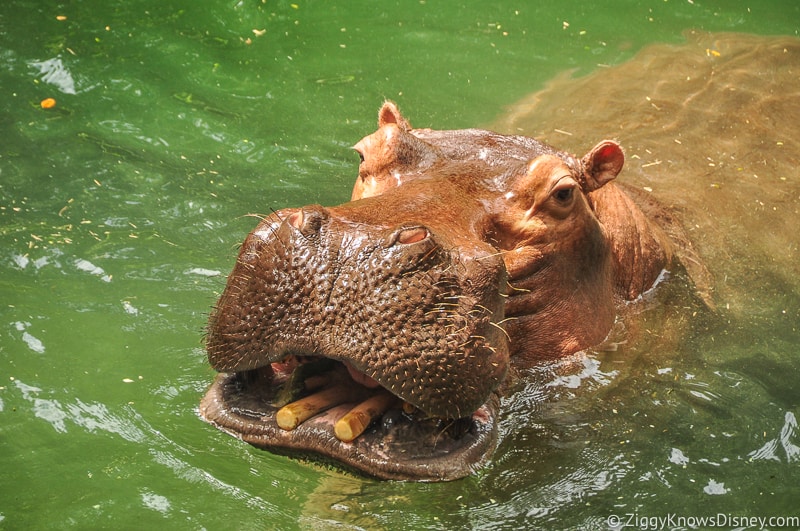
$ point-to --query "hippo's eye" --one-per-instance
(563, 195)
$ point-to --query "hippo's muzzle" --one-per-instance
(350, 301)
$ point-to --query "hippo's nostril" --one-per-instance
(307, 220)
(412, 235)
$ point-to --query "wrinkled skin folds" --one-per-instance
(459, 252)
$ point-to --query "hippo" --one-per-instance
(381, 333)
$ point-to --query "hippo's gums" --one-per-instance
(379, 332)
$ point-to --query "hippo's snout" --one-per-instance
(391, 300)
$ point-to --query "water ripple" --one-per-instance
(772, 449)
(34, 343)
(55, 73)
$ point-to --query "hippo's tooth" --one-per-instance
(292, 415)
(358, 419)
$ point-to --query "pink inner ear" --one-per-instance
(601, 165)
(390, 114)
(386, 116)
(608, 151)
(607, 162)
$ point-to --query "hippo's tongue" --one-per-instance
(360, 377)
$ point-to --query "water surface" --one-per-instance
(121, 209)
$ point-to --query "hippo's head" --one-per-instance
(404, 305)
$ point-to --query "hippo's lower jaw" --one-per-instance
(398, 445)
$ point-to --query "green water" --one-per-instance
(121, 209)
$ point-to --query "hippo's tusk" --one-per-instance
(292, 415)
(353, 424)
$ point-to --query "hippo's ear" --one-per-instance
(390, 157)
(601, 165)
(390, 114)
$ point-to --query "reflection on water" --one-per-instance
(780, 448)
(54, 72)
(91, 417)
(590, 371)
(33, 343)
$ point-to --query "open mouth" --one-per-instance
(313, 405)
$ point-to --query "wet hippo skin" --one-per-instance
(459, 252)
